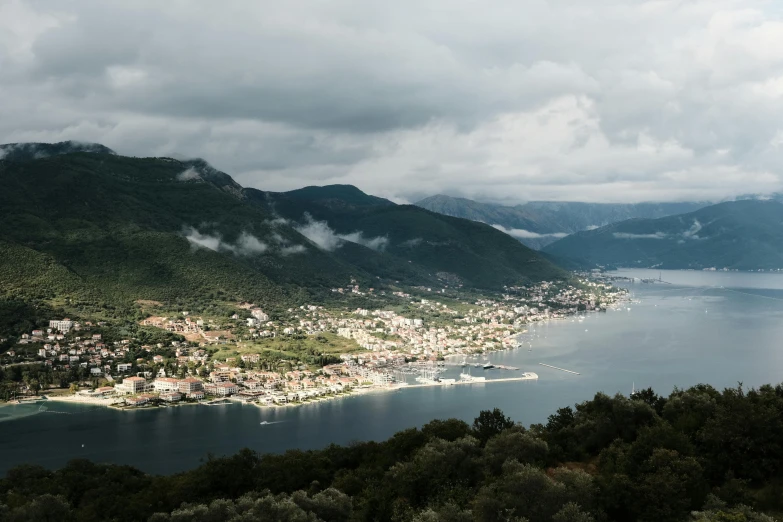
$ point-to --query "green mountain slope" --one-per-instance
(538, 223)
(477, 254)
(96, 227)
(130, 228)
(743, 235)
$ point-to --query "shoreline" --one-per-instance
(116, 402)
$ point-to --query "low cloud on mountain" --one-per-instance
(690, 234)
(625, 235)
(246, 245)
(188, 175)
(320, 233)
(521, 233)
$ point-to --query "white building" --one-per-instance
(63, 325)
(131, 386)
(165, 384)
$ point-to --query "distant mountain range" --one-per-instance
(744, 234)
(80, 223)
(539, 223)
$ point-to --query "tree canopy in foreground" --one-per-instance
(697, 455)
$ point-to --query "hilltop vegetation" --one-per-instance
(698, 455)
(744, 235)
(80, 224)
(338, 197)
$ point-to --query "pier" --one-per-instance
(561, 369)
(528, 376)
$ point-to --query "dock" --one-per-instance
(528, 376)
(561, 369)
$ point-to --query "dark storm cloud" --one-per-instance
(596, 100)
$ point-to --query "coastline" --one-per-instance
(117, 403)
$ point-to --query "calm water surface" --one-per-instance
(711, 327)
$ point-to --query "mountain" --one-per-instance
(743, 235)
(104, 230)
(33, 151)
(337, 197)
(450, 248)
(538, 223)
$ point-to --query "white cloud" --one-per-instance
(692, 233)
(521, 233)
(501, 101)
(375, 243)
(188, 175)
(320, 233)
(625, 235)
(292, 249)
(411, 243)
(197, 239)
(246, 245)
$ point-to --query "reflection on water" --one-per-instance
(711, 327)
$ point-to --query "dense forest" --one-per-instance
(697, 455)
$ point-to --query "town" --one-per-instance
(309, 353)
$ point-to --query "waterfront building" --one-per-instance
(171, 396)
(131, 385)
(190, 386)
(165, 384)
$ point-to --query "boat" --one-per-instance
(489, 366)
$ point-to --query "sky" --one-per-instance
(499, 101)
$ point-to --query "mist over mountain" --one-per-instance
(743, 234)
(33, 151)
(539, 223)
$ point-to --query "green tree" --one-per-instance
(490, 423)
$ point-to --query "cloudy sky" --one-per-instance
(506, 101)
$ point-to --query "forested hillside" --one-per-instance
(80, 224)
(86, 226)
(743, 235)
(697, 455)
(457, 249)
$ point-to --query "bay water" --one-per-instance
(719, 328)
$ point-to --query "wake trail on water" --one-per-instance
(750, 294)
